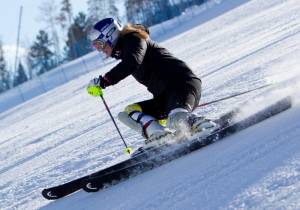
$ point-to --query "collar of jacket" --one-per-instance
(117, 50)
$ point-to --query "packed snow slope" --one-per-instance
(65, 134)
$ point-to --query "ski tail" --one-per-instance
(63, 190)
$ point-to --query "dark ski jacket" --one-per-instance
(151, 65)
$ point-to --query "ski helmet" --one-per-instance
(105, 32)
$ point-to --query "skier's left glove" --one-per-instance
(96, 85)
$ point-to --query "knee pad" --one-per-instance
(137, 108)
(133, 108)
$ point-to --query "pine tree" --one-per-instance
(100, 9)
(20, 76)
(40, 57)
(4, 73)
(150, 12)
(78, 43)
(136, 12)
(162, 11)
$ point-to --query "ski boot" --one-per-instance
(157, 138)
(153, 132)
(189, 124)
(201, 126)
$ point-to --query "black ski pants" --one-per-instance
(186, 96)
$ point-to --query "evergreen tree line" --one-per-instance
(153, 12)
(65, 35)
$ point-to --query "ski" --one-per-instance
(65, 189)
(154, 157)
(160, 156)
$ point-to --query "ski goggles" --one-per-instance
(95, 37)
(99, 44)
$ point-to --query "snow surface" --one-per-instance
(65, 134)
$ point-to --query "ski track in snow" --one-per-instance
(65, 134)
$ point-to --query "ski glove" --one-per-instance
(96, 85)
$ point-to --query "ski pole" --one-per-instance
(233, 95)
(127, 149)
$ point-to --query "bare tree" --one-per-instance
(49, 13)
(113, 9)
(65, 19)
(99, 9)
(65, 16)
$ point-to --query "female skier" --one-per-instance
(176, 89)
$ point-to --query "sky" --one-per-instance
(30, 23)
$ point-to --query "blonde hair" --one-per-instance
(138, 29)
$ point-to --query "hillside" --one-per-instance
(65, 134)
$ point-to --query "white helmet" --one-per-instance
(106, 31)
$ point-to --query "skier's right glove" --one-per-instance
(96, 85)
